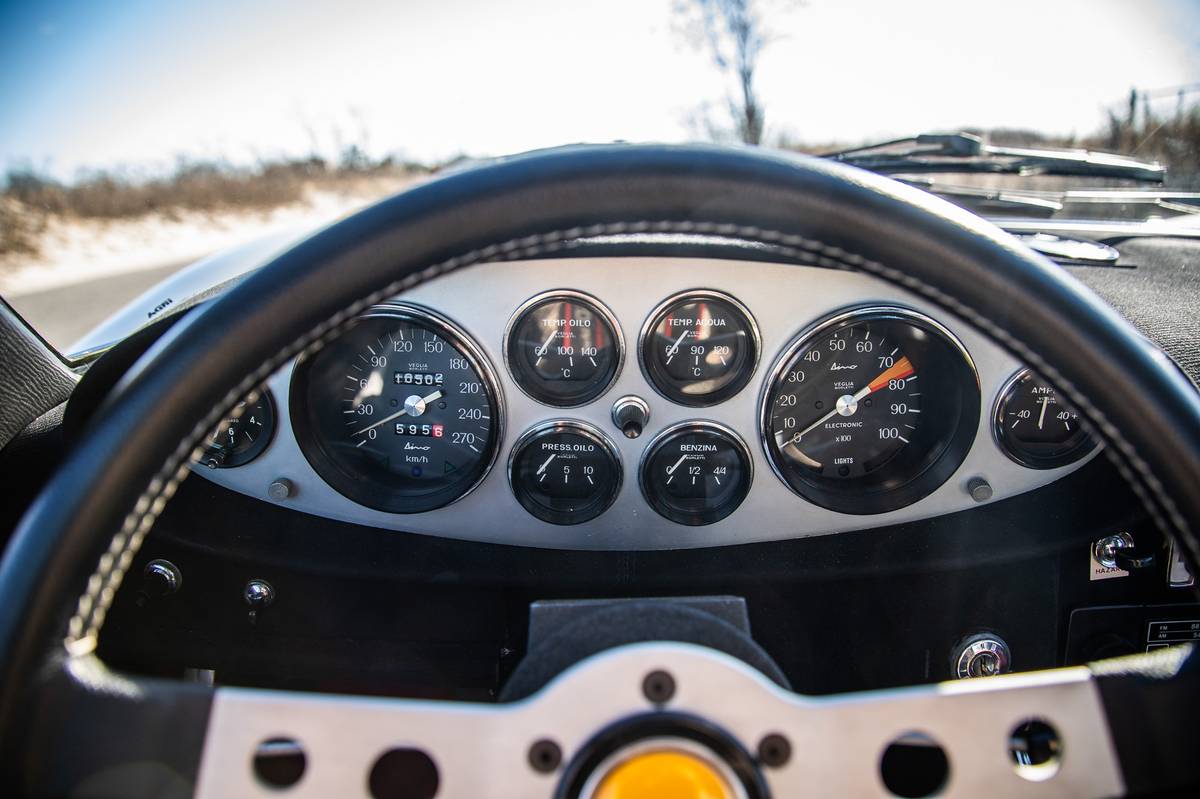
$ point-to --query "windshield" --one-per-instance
(138, 137)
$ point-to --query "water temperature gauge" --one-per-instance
(1035, 427)
(699, 348)
(565, 472)
(696, 473)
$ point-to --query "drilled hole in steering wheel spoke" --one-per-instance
(914, 765)
(279, 763)
(1036, 750)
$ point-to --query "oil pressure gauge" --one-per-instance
(1035, 427)
(696, 473)
(699, 348)
(565, 472)
(243, 435)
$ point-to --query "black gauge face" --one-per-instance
(565, 472)
(400, 414)
(1036, 428)
(242, 436)
(871, 411)
(699, 348)
(696, 473)
(563, 349)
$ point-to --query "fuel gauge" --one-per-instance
(1035, 427)
(565, 472)
(696, 473)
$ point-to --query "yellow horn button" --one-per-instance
(664, 775)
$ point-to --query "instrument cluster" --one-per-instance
(441, 411)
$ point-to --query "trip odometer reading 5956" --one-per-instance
(871, 410)
(401, 413)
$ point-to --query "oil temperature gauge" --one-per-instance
(563, 348)
(1035, 427)
(565, 472)
(696, 473)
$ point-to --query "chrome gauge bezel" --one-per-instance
(1001, 439)
(578, 427)
(452, 333)
(260, 444)
(727, 392)
(575, 296)
(919, 485)
(688, 426)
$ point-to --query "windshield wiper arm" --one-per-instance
(992, 201)
(964, 152)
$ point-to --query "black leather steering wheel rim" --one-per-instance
(822, 213)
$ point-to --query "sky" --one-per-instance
(135, 84)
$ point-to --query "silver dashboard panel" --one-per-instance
(783, 300)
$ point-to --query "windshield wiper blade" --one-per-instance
(964, 152)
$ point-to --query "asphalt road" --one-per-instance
(62, 315)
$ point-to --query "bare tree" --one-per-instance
(735, 35)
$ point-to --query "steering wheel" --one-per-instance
(70, 725)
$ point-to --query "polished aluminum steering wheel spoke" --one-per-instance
(836, 742)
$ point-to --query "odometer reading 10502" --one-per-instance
(871, 410)
(400, 414)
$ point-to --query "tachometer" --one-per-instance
(401, 413)
(870, 410)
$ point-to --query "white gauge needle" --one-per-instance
(542, 350)
(542, 468)
(425, 400)
(682, 458)
(1042, 415)
(675, 347)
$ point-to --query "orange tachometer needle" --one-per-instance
(901, 369)
(846, 406)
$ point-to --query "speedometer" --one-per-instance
(871, 410)
(401, 413)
